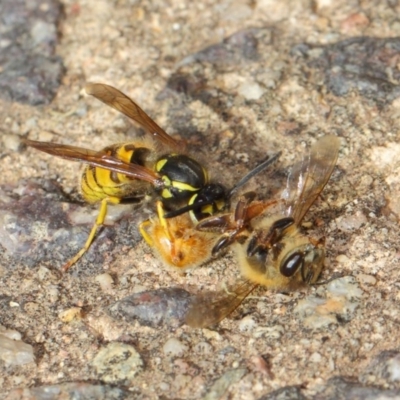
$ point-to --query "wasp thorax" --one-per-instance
(182, 176)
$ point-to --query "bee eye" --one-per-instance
(292, 264)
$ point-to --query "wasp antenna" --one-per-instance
(261, 167)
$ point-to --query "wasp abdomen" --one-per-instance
(98, 183)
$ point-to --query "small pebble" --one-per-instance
(251, 91)
(160, 307)
(117, 362)
(174, 348)
(164, 386)
(42, 273)
(105, 281)
(70, 314)
(366, 279)
(12, 142)
(315, 357)
(247, 323)
(269, 332)
(203, 348)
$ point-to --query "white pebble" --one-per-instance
(247, 324)
(12, 141)
(164, 386)
(105, 281)
(235, 364)
(251, 90)
(173, 347)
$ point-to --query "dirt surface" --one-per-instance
(237, 81)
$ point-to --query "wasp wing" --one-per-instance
(210, 308)
(97, 159)
(306, 183)
(122, 103)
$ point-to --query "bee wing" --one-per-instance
(210, 308)
(97, 159)
(306, 184)
(122, 103)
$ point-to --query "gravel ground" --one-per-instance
(237, 81)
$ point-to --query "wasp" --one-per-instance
(132, 170)
(271, 249)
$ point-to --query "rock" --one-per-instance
(30, 71)
(13, 351)
(117, 362)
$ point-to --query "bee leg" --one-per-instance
(99, 222)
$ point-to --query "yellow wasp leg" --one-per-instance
(163, 221)
(143, 227)
(143, 231)
(99, 222)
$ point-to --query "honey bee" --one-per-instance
(274, 253)
(130, 171)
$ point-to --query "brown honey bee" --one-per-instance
(270, 249)
(130, 171)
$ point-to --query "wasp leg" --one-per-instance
(144, 226)
(99, 222)
(163, 221)
(145, 234)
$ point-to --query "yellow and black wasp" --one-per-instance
(132, 170)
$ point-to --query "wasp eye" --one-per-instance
(292, 264)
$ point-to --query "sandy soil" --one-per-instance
(279, 83)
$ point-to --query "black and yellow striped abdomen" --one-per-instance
(100, 183)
